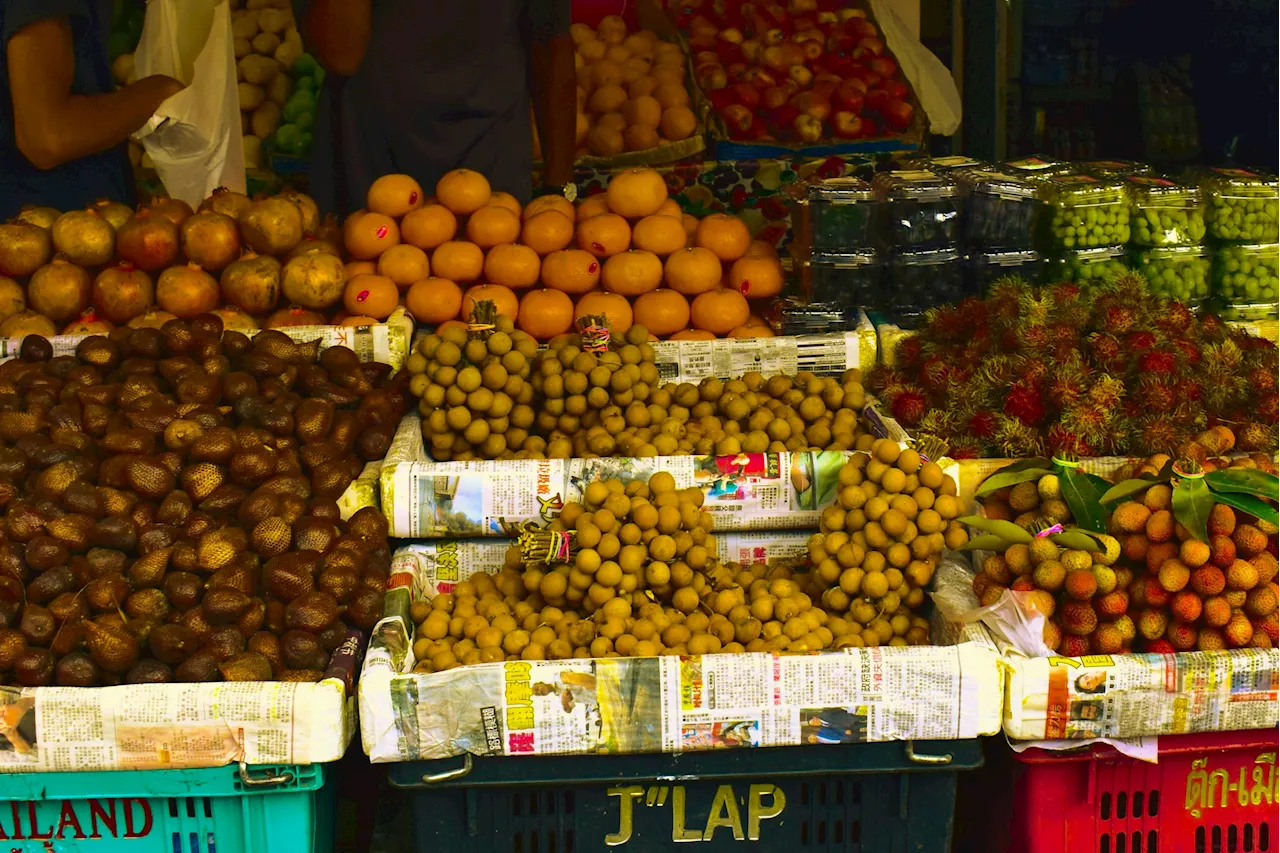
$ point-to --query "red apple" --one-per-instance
(757, 130)
(804, 22)
(776, 59)
(705, 57)
(896, 89)
(807, 128)
(812, 49)
(732, 34)
(861, 28)
(803, 6)
(760, 78)
(803, 76)
(871, 45)
(846, 13)
(812, 104)
(839, 45)
(713, 77)
(825, 88)
(773, 36)
(897, 114)
(849, 95)
(700, 24)
(847, 125)
(751, 49)
(746, 94)
(827, 18)
(778, 14)
(876, 98)
(774, 97)
(737, 117)
(737, 71)
(702, 41)
(721, 99)
(866, 75)
(783, 117)
(883, 65)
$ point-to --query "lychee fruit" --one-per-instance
(1216, 611)
(1260, 640)
(1077, 617)
(1113, 604)
(1126, 628)
(1134, 547)
(1186, 606)
(994, 567)
(991, 594)
(1105, 577)
(1131, 517)
(1222, 551)
(1158, 497)
(1073, 646)
(1173, 575)
(1222, 520)
(1153, 623)
(1073, 559)
(1208, 580)
(1049, 575)
(1056, 511)
(1194, 553)
(1024, 497)
(1154, 594)
(996, 510)
(1184, 636)
(1124, 577)
(1260, 602)
(1160, 646)
(1160, 526)
(1235, 597)
(1242, 575)
(1043, 601)
(1110, 550)
(1052, 635)
(1042, 550)
(1158, 553)
(1049, 488)
(980, 584)
(1080, 584)
(1271, 626)
(1210, 639)
(1106, 640)
(1266, 565)
(1239, 631)
(1022, 584)
(1018, 558)
(1249, 541)
(1027, 519)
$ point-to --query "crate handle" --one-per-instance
(433, 778)
(912, 755)
(262, 781)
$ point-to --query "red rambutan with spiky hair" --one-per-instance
(1157, 362)
(935, 374)
(1023, 402)
(1262, 379)
(1140, 341)
(909, 349)
(883, 376)
(1189, 390)
(1062, 440)
(1189, 349)
(1156, 435)
(1175, 318)
(1269, 407)
(946, 323)
(983, 425)
(1155, 395)
(1106, 350)
(909, 406)
(1117, 319)
(1033, 338)
(964, 450)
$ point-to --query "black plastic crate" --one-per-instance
(863, 798)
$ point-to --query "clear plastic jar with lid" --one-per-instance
(1084, 212)
(850, 279)
(1038, 167)
(842, 213)
(1001, 210)
(921, 279)
(794, 317)
(921, 209)
(1114, 168)
(1089, 267)
(1246, 276)
(1164, 213)
(1176, 272)
(1240, 206)
(986, 267)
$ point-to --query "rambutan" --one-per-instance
(909, 407)
(1175, 318)
(909, 349)
(983, 425)
(1157, 362)
(1255, 436)
(1190, 350)
(964, 450)
(1154, 395)
(1023, 402)
(1140, 341)
(1117, 319)
(1061, 440)
(1106, 350)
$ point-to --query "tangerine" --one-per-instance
(751, 330)
(693, 270)
(636, 192)
(692, 335)
(761, 249)
(463, 191)
(503, 299)
(512, 265)
(690, 223)
(545, 313)
(357, 267)
(404, 264)
(670, 91)
(394, 195)
(612, 121)
(642, 86)
(719, 311)
(547, 232)
(723, 234)
(615, 308)
(358, 320)
(660, 234)
(677, 122)
(458, 261)
(507, 200)
(608, 98)
(663, 312)
(371, 296)
(643, 110)
(640, 137)
(428, 226)
(604, 235)
(632, 273)
(571, 270)
(371, 235)
(605, 141)
(491, 225)
(433, 300)
(550, 201)
(756, 277)
(593, 206)
(605, 74)
(670, 207)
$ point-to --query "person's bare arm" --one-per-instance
(337, 31)
(51, 125)
(555, 103)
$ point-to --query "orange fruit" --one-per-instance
(605, 74)
(503, 299)
(545, 313)
(632, 273)
(643, 110)
(581, 127)
(357, 321)
(670, 207)
(642, 86)
(609, 98)
(571, 270)
(428, 226)
(612, 121)
(756, 278)
(433, 300)
(506, 200)
(605, 142)
(580, 33)
(404, 264)
(610, 305)
(677, 122)
(371, 296)
(670, 91)
(593, 206)
(719, 311)
(512, 265)
(552, 201)
(751, 330)
(592, 49)
(449, 324)
(692, 335)
(354, 268)
(659, 234)
(463, 191)
(636, 193)
(547, 232)
(458, 261)
(663, 312)
(371, 235)
(723, 234)
(690, 223)
(604, 235)
(618, 54)
(761, 249)
(693, 270)
(491, 225)
(640, 137)
(395, 195)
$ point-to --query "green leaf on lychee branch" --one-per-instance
(1006, 530)
(1192, 503)
(1076, 539)
(1084, 499)
(1249, 481)
(1251, 505)
(1008, 476)
(1129, 488)
(989, 542)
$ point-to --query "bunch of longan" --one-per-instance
(881, 541)
(476, 401)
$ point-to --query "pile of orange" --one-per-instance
(627, 253)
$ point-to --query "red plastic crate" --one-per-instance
(591, 12)
(1211, 793)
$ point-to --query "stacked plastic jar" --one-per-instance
(1001, 210)
(1241, 221)
(1166, 229)
(843, 270)
(1114, 168)
(920, 232)
(1085, 225)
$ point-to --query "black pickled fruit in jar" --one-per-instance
(986, 267)
(1001, 210)
(921, 280)
(921, 209)
(843, 212)
(848, 279)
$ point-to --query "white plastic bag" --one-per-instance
(194, 138)
(932, 82)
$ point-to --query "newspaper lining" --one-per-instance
(660, 704)
(824, 355)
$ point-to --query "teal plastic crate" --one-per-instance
(286, 809)
(855, 798)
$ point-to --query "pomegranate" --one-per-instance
(311, 243)
(186, 292)
(153, 319)
(84, 237)
(27, 323)
(114, 212)
(149, 241)
(314, 281)
(211, 240)
(36, 215)
(306, 206)
(272, 226)
(12, 298)
(60, 290)
(89, 323)
(294, 315)
(23, 249)
(227, 202)
(122, 292)
(252, 283)
(235, 319)
(174, 209)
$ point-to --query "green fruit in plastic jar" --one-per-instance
(288, 139)
(1177, 275)
(1090, 226)
(1243, 214)
(1167, 226)
(1089, 270)
(1246, 275)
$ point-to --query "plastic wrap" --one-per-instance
(852, 279)
(1089, 267)
(921, 209)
